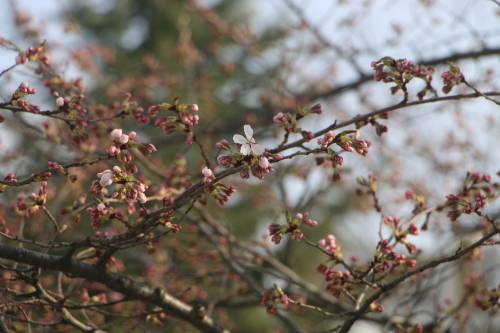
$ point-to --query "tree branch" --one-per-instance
(365, 78)
(116, 282)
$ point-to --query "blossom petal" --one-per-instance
(264, 163)
(116, 133)
(245, 149)
(258, 149)
(239, 139)
(106, 179)
(141, 197)
(105, 183)
(248, 131)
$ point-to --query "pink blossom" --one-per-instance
(142, 187)
(141, 197)
(327, 139)
(21, 59)
(60, 101)
(264, 162)
(123, 139)
(116, 133)
(106, 177)
(133, 136)
(206, 172)
(280, 119)
(113, 150)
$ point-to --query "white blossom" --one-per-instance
(248, 144)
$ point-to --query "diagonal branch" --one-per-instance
(346, 326)
(366, 78)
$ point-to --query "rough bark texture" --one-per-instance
(116, 282)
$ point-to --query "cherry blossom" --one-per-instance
(106, 177)
(116, 133)
(248, 144)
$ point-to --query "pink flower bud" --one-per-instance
(123, 139)
(263, 162)
(116, 133)
(60, 101)
(206, 172)
(141, 197)
(24, 85)
(133, 136)
(224, 160)
(113, 150)
(141, 187)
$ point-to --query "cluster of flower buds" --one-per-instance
(330, 244)
(274, 296)
(73, 106)
(20, 92)
(100, 213)
(122, 142)
(9, 178)
(218, 190)
(401, 72)
(344, 141)
(250, 155)
(451, 78)
(132, 189)
(85, 298)
(376, 307)
(399, 234)
(385, 255)
(290, 122)
(54, 166)
(183, 120)
(32, 54)
(28, 206)
(129, 107)
(488, 298)
(336, 280)
(379, 128)
(277, 231)
(476, 190)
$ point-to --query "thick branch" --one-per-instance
(116, 282)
